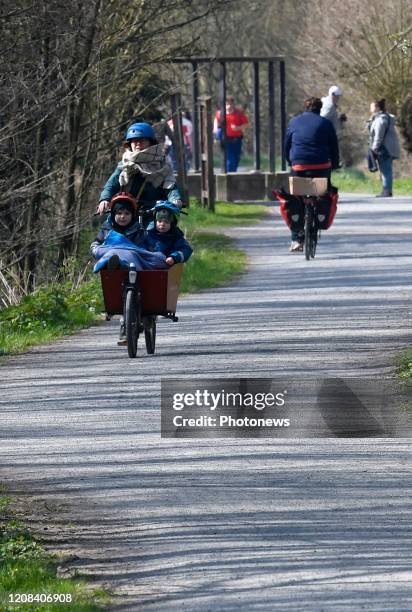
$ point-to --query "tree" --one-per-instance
(73, 75)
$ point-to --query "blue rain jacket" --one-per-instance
(172, 243)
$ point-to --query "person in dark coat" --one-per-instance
(311, 149)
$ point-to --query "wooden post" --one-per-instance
(178, 144)
(206, 158)
(271, 126)
(195, 116)
(223, 115)
(256, 106)
(283, 110)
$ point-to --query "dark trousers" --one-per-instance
(233, 153)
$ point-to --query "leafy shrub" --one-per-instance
(53, 306)
(36, 310)
(16, 543)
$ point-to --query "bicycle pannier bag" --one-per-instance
(291, 209)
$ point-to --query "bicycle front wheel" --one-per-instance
(150, 334)
(132, 321)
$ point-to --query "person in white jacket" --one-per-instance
(330, 107)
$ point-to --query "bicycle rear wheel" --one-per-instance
(132, 320)
(308, 232)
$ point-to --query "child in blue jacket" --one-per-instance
(163, 234)
(121, 240)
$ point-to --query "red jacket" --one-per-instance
(238, 118)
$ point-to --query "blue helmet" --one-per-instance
(169, 206)
(140, 130)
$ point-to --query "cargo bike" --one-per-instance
(140, 297)
(308, 208)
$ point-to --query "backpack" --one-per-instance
(391, 140)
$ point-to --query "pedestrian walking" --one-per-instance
(231, 141)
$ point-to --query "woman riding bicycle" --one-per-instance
(142, 172)
(311, 149)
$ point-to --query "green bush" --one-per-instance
(56, 304)
(35, 310)
(405, 365)
(48, 313)
(17, 543)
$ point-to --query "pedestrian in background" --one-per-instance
(231, 141)
(383, 143)
(187, 129)
(330, 108)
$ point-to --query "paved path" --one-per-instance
(316, 524)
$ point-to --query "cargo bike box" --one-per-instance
(141, 296)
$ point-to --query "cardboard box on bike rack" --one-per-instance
(300, 186)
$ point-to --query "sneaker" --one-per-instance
(296, 246)
(122, 334)
(113, 263)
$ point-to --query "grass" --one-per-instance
(405, 366)
(225, 215)
(26, 567)
(48, 313)
(350, 180)
(59, 309)
(216, 263)
(354, 180)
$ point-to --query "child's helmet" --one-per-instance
(140, 130)
(169, 206)
(123, 200)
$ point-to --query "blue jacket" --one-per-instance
(134, 232)
(172, 243)
(311, 139)
(149, 195)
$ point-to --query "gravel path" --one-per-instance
(281, 524)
